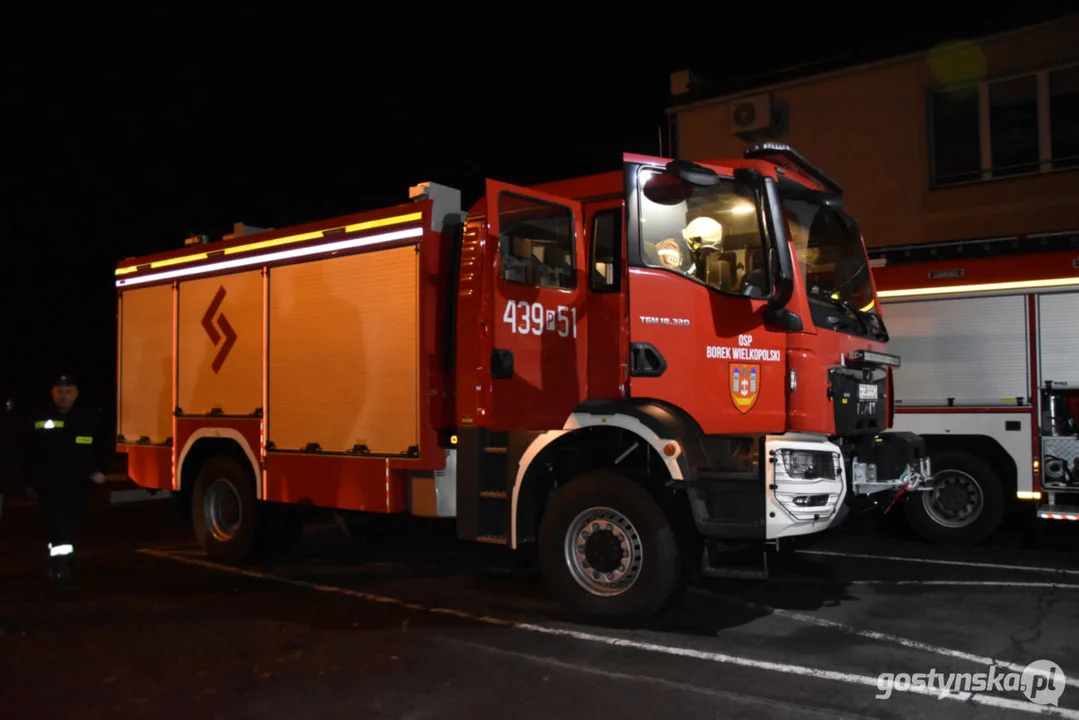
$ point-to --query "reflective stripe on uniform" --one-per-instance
(48, 424)
(84, 440)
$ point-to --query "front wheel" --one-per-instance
(607, 550)
(965, 504)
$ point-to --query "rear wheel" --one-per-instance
(965, 504)
(607, 550)
(224, 511)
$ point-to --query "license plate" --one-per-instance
(867, 392)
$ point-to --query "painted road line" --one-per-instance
(791, 707)
(969, 583)
(722, 658)
(930, 561)
(874, 635)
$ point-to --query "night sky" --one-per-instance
(118, 146)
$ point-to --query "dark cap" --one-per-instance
(64, 381)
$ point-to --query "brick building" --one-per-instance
(969, 139)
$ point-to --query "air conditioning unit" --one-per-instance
(751, 114)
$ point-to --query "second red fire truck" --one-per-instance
(990, 376)
(631, 372)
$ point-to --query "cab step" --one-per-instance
(743, 562)
(483, 485)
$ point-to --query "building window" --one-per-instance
(1002, 128)
(955, 136)
(1064, 117)
(536, 243)
(1013, 126)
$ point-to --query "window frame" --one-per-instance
(983, 88)
(765, 240)
(503, 237)
(619, 236)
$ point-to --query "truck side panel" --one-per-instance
(343, 354)
(336, 481)
(971, 350)
(146, 336)
(220, 344)
(1058, 339)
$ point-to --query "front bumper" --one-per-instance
(801, 482)
(888, 462)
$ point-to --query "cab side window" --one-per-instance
(605, 270)
(536, 243)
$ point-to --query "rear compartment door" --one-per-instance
(539, 334)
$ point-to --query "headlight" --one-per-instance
(808, 464)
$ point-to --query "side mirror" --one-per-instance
(781, 247)
(693, 173)
(774, 227)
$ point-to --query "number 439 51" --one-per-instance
(525, 317)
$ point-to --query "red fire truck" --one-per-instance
(629, 373)
(990, 376)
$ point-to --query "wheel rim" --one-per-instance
(223, 510)
(955, 501)
(603, 551)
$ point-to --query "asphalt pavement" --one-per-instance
(418, 626)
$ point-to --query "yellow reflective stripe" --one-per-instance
(48, 424)
(263, 244)
(84, 440)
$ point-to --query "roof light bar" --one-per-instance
(983, 287)
(348, 244)
(263, 244)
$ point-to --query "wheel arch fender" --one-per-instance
(658, 424)
(214, 439)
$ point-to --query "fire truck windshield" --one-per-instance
(829, 252)
(708, 233)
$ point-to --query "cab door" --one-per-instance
(539, 330)
(700, 339)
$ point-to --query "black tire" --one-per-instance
(228, 477)
(659, 572)
(969, 469)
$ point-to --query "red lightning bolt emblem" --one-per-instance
(226, 333)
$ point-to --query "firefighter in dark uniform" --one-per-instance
(66, 449)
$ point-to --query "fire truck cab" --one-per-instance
(635, 373)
